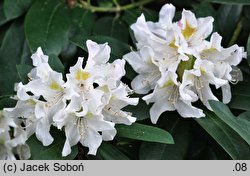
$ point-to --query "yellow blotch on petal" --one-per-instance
(168, 83)
(188, 31)
(172, 44)
(203, 71)
(55, 86)
(82, 75)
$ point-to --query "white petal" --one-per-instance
(158, 108)
(93, 140)
(98, 53)
(108, 135)
(42, 132)
(72, 138)
(185, 109)
(38, 57)
(166, 15)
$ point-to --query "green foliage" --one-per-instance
(50, 21)
(144, 133)
(52, 152)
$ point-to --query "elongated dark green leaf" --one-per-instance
(240, 96)
(144, 133)
(248, 49)
(113, 27)
(244, 2)
(228, 139)
(23, 71)
(51, 152)
(245, 117)
(181, 134)
(47, 25)
(109, 152)
(227, 18)
(13, 9)
(223, 112)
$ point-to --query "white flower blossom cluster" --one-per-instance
(87, 106)
(179, 63)
(12, 139)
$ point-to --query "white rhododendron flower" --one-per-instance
(86, 106)
(12, 138)
(177, 63)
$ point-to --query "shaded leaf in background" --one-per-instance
(248, 49)
(55, 63)
(14, 9)
(23, 71)
(47, 25)
(130, 16)
(112, 27)
(51, 152)
(144, 133)
(83, 19)
(226, 21)
(240, 96)
(10, 56)
(7, 103)
(223, 112)
(180, 130)
(243, 2)
(140, 111)
(109, 152)
(225, 136)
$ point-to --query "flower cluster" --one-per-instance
(86, 106)
(177, 62)
(12, 138)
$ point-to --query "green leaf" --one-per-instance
(204, 9)
(83, 19)
(243, 2)
(47, 25)
(3, 18)
(113, 27)
(55, 63)
(7, 102)
(223, 112)
(240, 96)
(180, 130)
(23, 71)
(248, 49)
(130, 16)
(225, 136)
(51, 152)
(227, 18)
(144, 133)
(109, 152)
(14, 9)
(10, 53)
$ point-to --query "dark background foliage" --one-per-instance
(62, 27)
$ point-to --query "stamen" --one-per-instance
(198, 83)
(173, 97)
(82, 126)
(114, 112)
